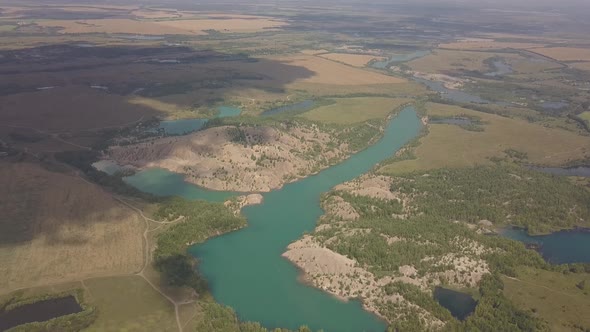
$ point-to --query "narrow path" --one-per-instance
(146, 259)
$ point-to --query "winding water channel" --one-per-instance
(245, 269)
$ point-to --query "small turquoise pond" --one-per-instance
(187, 126)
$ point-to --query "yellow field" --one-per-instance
(313, 69)
(152, 14)
(452, 146)
(581, 65)
(352, 110)
(116, 26)
(357, 60)
(231, 24)
(553, 296)
(482, 44)
(314, 52)
(565, 53)
(72, 229)
(441, 61)
(190, 27)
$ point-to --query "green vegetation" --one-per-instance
(502, 194)
(218, 318)
(494, 312)
(200, 220)
(441, 210)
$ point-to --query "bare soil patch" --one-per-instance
(262, 159)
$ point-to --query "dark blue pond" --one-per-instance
(461, 305)
(571, 246)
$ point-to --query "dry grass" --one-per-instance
(527, 67)
(154, 13)
(356, 60)
(487, 44)
(221, 24)
(324, 71)
(70, 108)
(129, 304)
(393, 90)
(184, 27)
(565, 53)
(314, 52)
(444, 61)
(124, 303)
(116, 26)
(553, 296)
(452, 146)
(351, 110)
(581, 65)
(69, 229)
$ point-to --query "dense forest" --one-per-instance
(504, 195)
(219, 318)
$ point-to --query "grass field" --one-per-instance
(487, 44)
(58, 228)
(585, 116)
(129, 304)
(565, 53)
(123, 303)
(7, 28)
(164, 27)
(357, 60)
(324, 71)
(444, 61)
(553, 296)
(452, 146)
(352, 110)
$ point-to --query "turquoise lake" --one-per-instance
(161, 182)
(245, 269)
